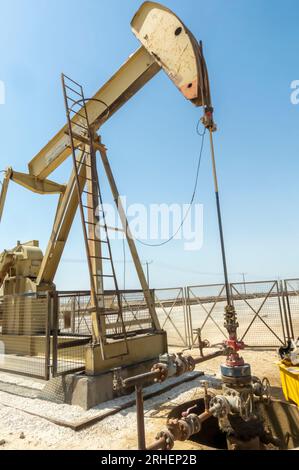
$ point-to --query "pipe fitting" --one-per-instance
(168, 439)
(179, 428)
(191, 363)
(162, 370)
(182, 364)
(183, 429)
(219, 407)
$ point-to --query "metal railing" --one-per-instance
(260, 313)
(40, 334)
(73, 324)
(206, 305)
(173, 316)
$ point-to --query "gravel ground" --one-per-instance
(20, 430)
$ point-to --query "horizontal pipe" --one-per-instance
(152, 375)
(199, 360)
(141, 378)
(160, 444)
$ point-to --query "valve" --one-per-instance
(168, 438)
(246, 405)
(219, 407)
(266, 390)
(163, 372)
(182, 429)
(182, 364)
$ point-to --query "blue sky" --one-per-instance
(251, 48)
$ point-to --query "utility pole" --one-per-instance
(147, 271)
(244, 282)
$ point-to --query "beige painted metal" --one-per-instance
(4, 189)
(62, 225)
(19, 268)
(140, 348)
(35, 184)
(7, 260)
(95, 247)
(178, 54)
(129, 236)
(172, 45)
(166, 44)
(133, 75)
(29, 182)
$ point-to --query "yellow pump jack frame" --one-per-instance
(166, 45)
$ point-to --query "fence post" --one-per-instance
(188, 318)
(287, 309)
(48, 336)
(55, 327)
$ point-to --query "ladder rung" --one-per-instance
(87, 207)
(77, 113)
(71, 80)
(72, 99)
(115, 229)
(90, 223)
(100, 257)
(84, 152)
(88, 179)
(72, 89)
(79, 125)
(82, 117)
(78, 162)
(87, 192)
(82, 139)
(82, 163)
(103, 275)
(96, 240)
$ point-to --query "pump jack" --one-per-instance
(166, 45)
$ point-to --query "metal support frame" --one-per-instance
(137, 263)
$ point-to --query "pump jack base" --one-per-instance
(96, 385)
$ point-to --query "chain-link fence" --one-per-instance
(25, 334)
(259, 308)
(73, 330)
(206, 305)
(173, 316)
(40, 334)
(260, 313)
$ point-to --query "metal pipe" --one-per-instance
(140, 379)
(227, 287)
(199, 360)
(140, 418)
(160, 444)
(155, 374)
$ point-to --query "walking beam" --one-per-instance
(166, 44)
